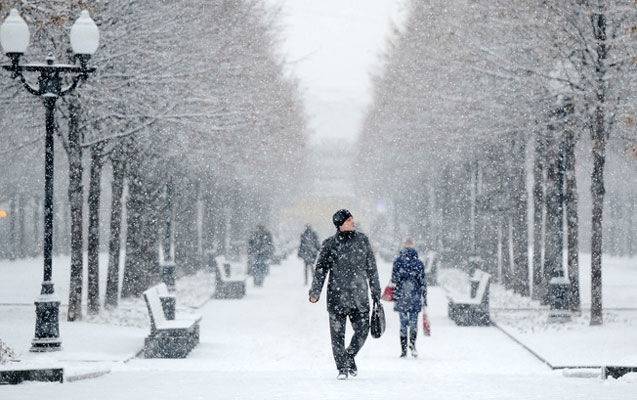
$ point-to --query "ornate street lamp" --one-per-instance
(14, 38)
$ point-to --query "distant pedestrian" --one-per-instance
(408, 276)
(308, 250)
(348, 259)
(260, 253)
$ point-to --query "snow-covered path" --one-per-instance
(274, 344)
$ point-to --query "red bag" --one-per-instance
(388, 293)
(426, 326)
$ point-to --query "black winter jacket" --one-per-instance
(350, 262)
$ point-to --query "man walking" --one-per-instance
(308, 249)
(260, 253)
(348, 258)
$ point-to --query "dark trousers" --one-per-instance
(408, 320)
(360, 323)
(309, 270)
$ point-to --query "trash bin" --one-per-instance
(211, 263)
(559, 289)
(168, 274)
(474, 262)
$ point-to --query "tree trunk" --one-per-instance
(76, 200)
(519, 237)
(114, 244)
(505, 277)
(209, 218)
(600, 137)
(11, 248)
(134, 282)
(473, 210)
(497, 274)
(199, 224)
(35, 215)
(539, 284)
(632, 242)
(62, 245)
(58, 225)
(597, 192)
(93, 239)
(168, 223)
(490, 217)
(431, 222)
(222, 221)
(237, 234)
(66, 249)
(572, 221)
(143, 224)
(183, 198)
(553, 265)
(22, 211)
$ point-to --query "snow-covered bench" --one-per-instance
(228, 285)
(168, 338)
(474, 309)
(616, 371)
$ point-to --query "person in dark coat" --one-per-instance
(308, 250)
(348, 259)
(260, 252)
(408, 276)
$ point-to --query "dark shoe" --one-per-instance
(403, 346)
(352, 370)
(342, 375)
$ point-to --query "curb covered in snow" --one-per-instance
(576, 371)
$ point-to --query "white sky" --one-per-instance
(332, 46)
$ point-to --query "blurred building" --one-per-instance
(329, 186)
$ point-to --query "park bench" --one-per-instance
(13, 375)
(474, 309)
(227, 284)
(615, 371)
(169, 338)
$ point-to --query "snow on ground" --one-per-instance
(619, 281)
(274, 344)
(574, 343)
(97, 342)
(22, 279)
(81, 341)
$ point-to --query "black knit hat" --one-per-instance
(340, 217)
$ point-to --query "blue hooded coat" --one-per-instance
(408, 275)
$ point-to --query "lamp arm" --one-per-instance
(34, 90)
(73, 85)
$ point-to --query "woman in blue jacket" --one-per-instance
(408, 275)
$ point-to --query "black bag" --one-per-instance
(377, 323)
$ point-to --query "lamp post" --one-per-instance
(14, 38)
